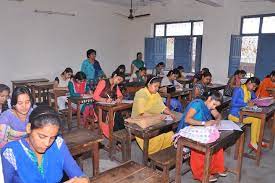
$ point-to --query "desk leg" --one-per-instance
(100, 120)
(70, 113)
(145, 150)
(111, 125)
(179, 161)
(259, 150)
(95, 159)
(33, 94)
(207, 160)
(78, 114)
(39, 95)
(240, 157)
(129, 148)
(238, 142)
(272, 133)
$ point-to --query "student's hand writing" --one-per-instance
(250, 104)
(118, 101)
(109, 100)
(173, 116)
(162, 117)
(78, 180)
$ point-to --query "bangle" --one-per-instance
(203, 123)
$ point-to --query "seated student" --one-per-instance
(4, 98)
(171, 80)
(182, 74)
(201, 86)
(42, 155)
(148, 101)
(198, 76)
(61, 83)
(120, 68)
(200, 112)
(78, 87)
(137, 64)
(159, 69)
(268, 82)
(139, 76)
(242, 97)
(13, 121)
(233, 82)
(91, 67)
(107, 90)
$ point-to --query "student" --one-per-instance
(13, 121)
(233, 82)
(148, 101)
(268, 82)
(198, 76)
(4, 98)
(242, 97)
(159, 69)
(201, 86)
(61, 83)
(182, 74)
(78, 87)
(171, 80)
(107, 90)
(139, 76)
(91, 67)
(137, 64)
(199, 113)
(120, 68)
(42, 155)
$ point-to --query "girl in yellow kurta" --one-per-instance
(147, 100)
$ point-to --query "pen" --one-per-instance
(108, 95)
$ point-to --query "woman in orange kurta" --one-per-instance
(199, 113)
(268, 82)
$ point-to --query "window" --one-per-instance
(159, 30)
(198, 28)
(268, 24)
(172, 29)
(251, 25)
(170, 53)
(178, 29)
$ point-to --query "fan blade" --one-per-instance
(120, 14)
(142, 15)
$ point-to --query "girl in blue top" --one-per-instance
(199, 113)
(242, 97)
(42, 155)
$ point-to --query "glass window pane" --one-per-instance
(268, 25)
(159, 30)
(251, 25)
(198, 28)
(178, 29)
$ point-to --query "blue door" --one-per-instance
(235, 54)
(182, 53)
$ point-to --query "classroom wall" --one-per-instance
(39, 45)
(219, 24)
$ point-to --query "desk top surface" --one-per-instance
(128, 172)
(30, 80)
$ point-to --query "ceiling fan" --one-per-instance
(131, 16)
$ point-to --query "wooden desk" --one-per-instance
(216, 87)
(83, 140)
(111, 109)
(185, 81)
(271, 91)
(186, 92)
(78, 101)
(41, 88)
(267, 112)
(128, 172)
(226, 138)
(25, 82)
(150, 132)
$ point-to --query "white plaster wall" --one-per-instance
(219, 24)
(39, 45)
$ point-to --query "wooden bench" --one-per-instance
(166, 159)
(128, 172)
(121, 137)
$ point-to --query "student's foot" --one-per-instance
(223, 174)
(212, 178)
(254, 147)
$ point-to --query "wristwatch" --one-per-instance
(203, 123)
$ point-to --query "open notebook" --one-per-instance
(226, 125)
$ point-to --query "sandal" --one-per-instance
(252, 147)
(264, 145)
(212, 178)
(223, 174)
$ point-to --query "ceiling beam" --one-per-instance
(214, 3)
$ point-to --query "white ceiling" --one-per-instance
(136, 3)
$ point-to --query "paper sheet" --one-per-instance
(226, 125)
(113, 102)
(168, 118)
